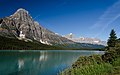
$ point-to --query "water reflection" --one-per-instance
(20, 64)
(38, 62)
(43, 56)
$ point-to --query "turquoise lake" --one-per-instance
(39, 62)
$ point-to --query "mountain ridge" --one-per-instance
(20, 25)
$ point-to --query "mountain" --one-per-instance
(15, 44)
(22, 26)
(85, 40)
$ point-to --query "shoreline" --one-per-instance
(94, 64)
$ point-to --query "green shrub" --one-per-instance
(96, 69)
(116, 62)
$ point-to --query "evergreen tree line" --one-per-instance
(15, 44)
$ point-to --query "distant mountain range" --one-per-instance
(20, 25)
(88, 40)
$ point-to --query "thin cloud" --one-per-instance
(109, 16)
(36, 17)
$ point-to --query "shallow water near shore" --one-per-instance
(39, 62)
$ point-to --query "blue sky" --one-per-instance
(84, 18)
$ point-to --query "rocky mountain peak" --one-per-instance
(22, 15)
(21, 10)
(21, 25)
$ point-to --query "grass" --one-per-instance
(95, 69)
(93, 65)
(116, 64)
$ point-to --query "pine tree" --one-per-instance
(112, 39)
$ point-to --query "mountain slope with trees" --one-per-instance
(22, 26)
(15, 44)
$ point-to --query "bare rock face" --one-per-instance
(21, 25)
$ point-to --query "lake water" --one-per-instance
(41, 62)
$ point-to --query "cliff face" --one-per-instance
(21, 25)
